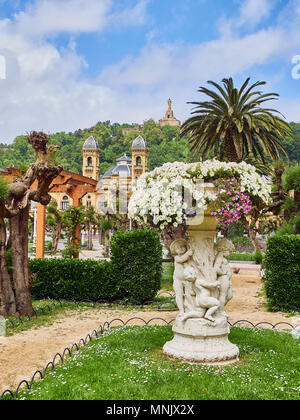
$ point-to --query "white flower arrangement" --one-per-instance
(166, 195)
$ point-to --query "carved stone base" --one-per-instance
(208, 345)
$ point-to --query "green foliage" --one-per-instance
(235, 230)
(164, 146)
(241, 257)
(291, 178)
(259, 257)
(8, 258)
(290, 227)
(242, 243)
(234, 124)
(136, 258)
(72, 279)
(292, 145)
(71, 217)
(282, 263)
(128, 361)
(134, 272)
(3, 189)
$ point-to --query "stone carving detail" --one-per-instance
(202, 284)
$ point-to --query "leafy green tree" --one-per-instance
(72, 218)
(89, 221)
(54, 223)
(233, 122)
(152, 133)
(291, 185)
(292, 145)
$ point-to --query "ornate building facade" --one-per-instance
(115, 186)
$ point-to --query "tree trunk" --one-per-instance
(56, 238)
(106, 243)
(172, 233)
(100, 230)
(252, 236)
(21, 274)
(7, 297)
(90, 238)
(230, 149)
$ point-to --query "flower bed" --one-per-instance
(169, 195)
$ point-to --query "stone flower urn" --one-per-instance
(202, 284)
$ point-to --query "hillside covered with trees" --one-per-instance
(165, 145)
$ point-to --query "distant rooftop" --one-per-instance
(91, 143)
(139, 142)
(124, 159)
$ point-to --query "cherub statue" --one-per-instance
(182, 254)
(223, 271)
(204, 299)
(193, 293)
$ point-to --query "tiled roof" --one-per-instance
(91, 143)
(139, 142)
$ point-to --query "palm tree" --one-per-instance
(234, 124)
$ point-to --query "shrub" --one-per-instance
(258, 257)
(235, 230)
(242, 244)
(72, 279)
(282, 275)
(241, 257)
(134, 272)
(136, 258)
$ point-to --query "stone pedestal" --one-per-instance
(202, 342)
(197, 339)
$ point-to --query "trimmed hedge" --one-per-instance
(282, 265)
(136, 258)
(72, 279)
(134, 272)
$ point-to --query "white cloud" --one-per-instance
(253, 11)
(135, 15)
(45, 88)
(46, 17)
(51, 17)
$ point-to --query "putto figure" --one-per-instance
(182, 273)
(224, 272)
(196, 295)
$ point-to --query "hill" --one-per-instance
(115, 139)
(164, 145)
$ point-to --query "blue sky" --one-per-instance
(71, 63)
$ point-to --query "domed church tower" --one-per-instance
(91, 156)
(139, 152)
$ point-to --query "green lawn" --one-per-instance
(127, 364)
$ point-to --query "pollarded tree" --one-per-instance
(235, 120)
(15, 296)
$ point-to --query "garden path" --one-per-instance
(22, 354)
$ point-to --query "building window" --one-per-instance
(138, 161)
(102, 204)
(89, 161)
(65, 203)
